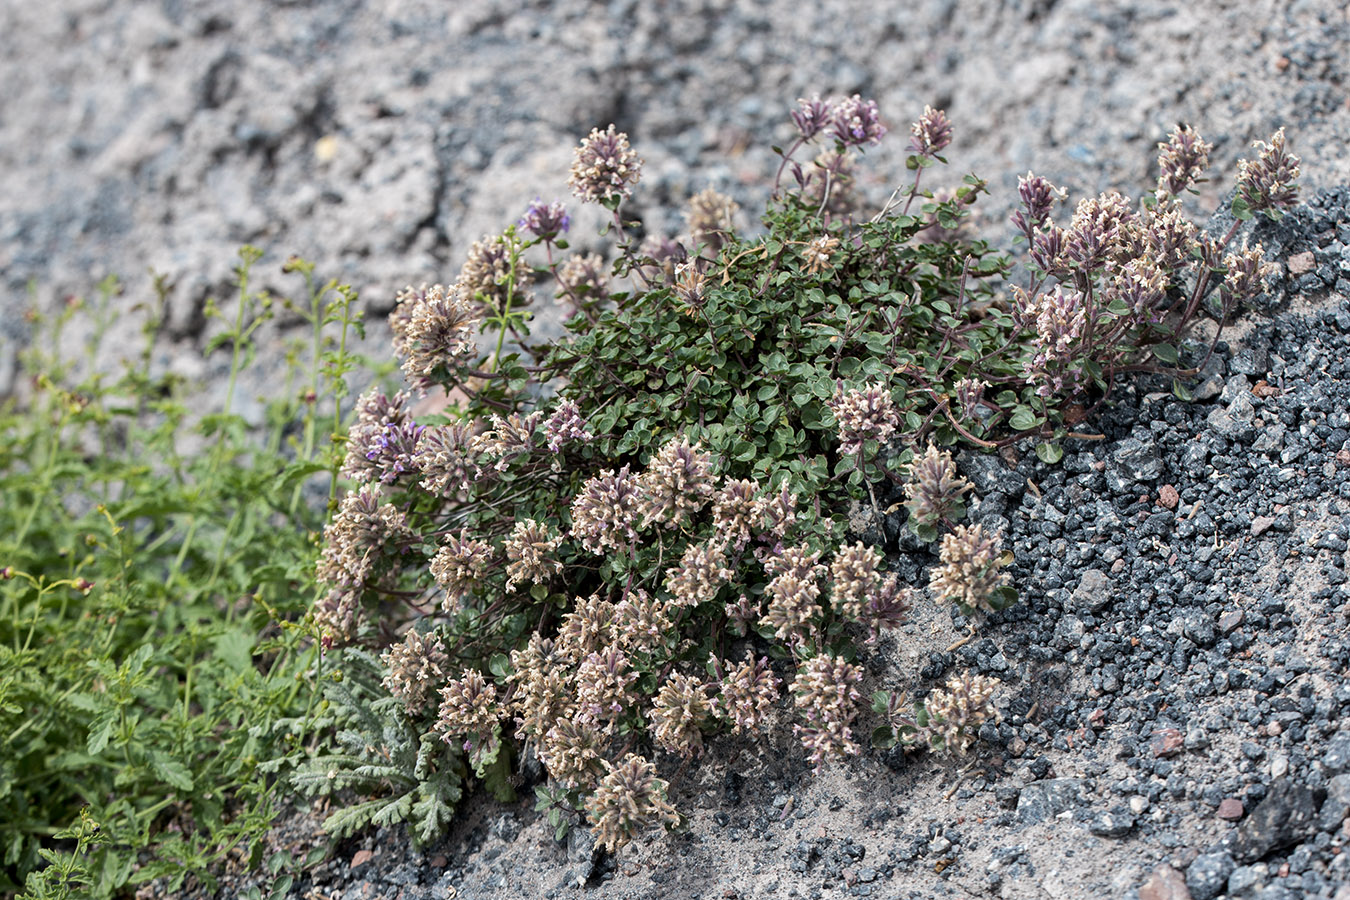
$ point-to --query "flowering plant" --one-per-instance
(606, 547)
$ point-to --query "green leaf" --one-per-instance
(1023, 419)
(171, 771)
(500, 664)
(1049, 453)
(1166, 352)
(1181, 392)
(100, 731)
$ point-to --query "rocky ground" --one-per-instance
(1173, 713)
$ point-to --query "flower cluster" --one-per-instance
(459, 566)
(604, 679)
(545, 220)
(530, 554)
(1269, 184)
(677, 484)
(605, 167)
(854, 577)
(678, 715)
(746, 694)
(931, 134)
(700, 575)
(956, 711)
(469, 712)
(415, 669)
(970, 573)
(864, 414)
(447, 458)
(1182, 159)
(934, 492)
(583, 280)
(605, 512)
(856, 122)
(1058, 319)
(1247, 273)
(377, 441)
(361, 540)
(1038, 200)
(434, 330)
(793, 593)
(566, 425)
(490, 274)
(825, 692)
(629, 799)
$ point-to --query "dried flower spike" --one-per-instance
(605, 168)
(819, 252)
(709, 218)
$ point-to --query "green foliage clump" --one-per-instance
(603, 549)
(153, 656)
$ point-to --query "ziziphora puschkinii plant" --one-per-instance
(608, 547)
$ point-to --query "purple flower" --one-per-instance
(812, 116)
(931, 134)
(545, 219)
(857, 122)
(1038, 197)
